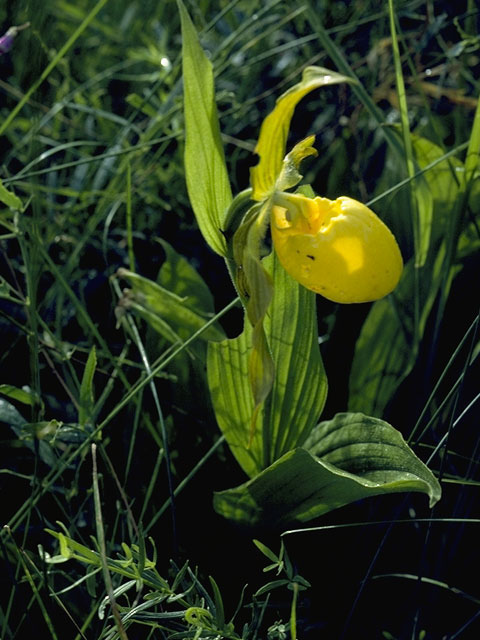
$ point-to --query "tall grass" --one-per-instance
(115, 448)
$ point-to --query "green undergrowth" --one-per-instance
(109, 295)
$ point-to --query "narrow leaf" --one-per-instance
(420, 211)
(266, 551)
(274, 584)
(219, 610)
(21, 395)
(206, 174)
(9, 199)
(86, 389)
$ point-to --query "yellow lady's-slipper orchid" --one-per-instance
(337, 248)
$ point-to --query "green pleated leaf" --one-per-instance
(227, 371)
(261, 373)
(173, 316)
(424, 200)
(206, 174)
(387, 347)
(299, 387)
(444, 179)
(435, 191)
(345, 459)
(272, 141)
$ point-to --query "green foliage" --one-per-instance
(281, 361)
(287, 418)
(345, 459)
(9, 199)
(176, 607)
(388, 346)
(292, 581)
(96, 133)
(206, 173)
(167, 312)
(86, 401)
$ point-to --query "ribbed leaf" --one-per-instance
(227, 370)
(387, 347)
(386, 350)
(299, 387)
(207, 180)
(443, 179)
(348, 458)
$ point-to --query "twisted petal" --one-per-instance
(339, 249)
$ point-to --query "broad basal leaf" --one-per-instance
(345, 459)
(443, 180)
(207, 180)
(424, 198)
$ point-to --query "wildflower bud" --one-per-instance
(6, 41)
(339, 249)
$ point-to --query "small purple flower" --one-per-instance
(6, 41)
